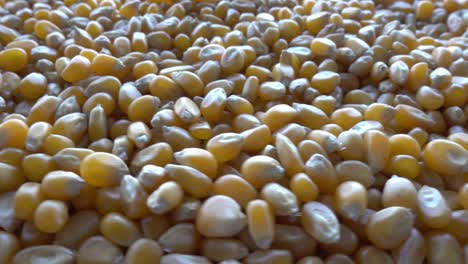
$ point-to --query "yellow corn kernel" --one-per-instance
(323, 47)
(232, 60)
(88, 53)
(352, 146)
(288, 155)
(445, 157)
(390, 227)
(455, 95)
(408, 117)
(61, 185)
(179, 138)
(213, 104)
(325, 81)
(399, 191)
(424, 10)
(165, 198)
(9, 222)
(377, 149)
(260, 170)
(72, 91)
(12, 156)
(11, 178)
(133, 197)
(351, 199)
(220, 216)
(72, 126)
(16, 55)
(45, 27)
(256, 138)
(97, 125)
(278, 116)
(326, 140)
(320, 222)
(49, 253)
(158, 154)
(270, 255)
(294, 132)
(430, 98)
(440, 78)
(190, 82)
(354, 170)
(13, 134)
(67, 106)
(79, 68)
(304, 188)
(144, 68)
(143, 108)
(101, 169)
(322, 172)
(281, 199)
(269, 91)
(199, 159)
(36, 135)
(7, 35)
(139, 42)
(401, 144)
(127, 94)
(346, 117)
(404, 166)
(315, 22)
(104, 64)
(104, 84)
(193, 181)
(129, 9)
(310, 116)
(238, 105)
(140, 134)
(36, 166)
(104, 99)
(119, 229)
(261, 222)
(225, 146)
(236, 188)
(165, 88)
(69, 159)
(143, 251)
(27, 199)
(44, 109)
(186, 110)
(119, 128)
(33, 86)
(433, 209)
(51, 216)
(201, 130)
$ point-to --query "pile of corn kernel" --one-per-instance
(243, 131)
